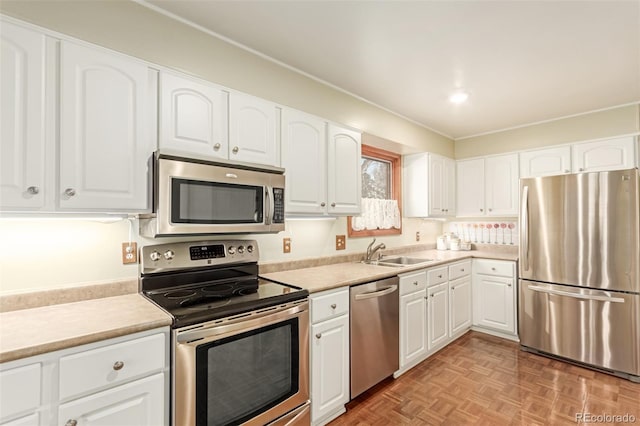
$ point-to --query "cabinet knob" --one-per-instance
(432, 296)
(453, 288)
(509, 285)
(415, 283)
(33, 190)
(216, 147)
(235, 150)
(69, 192)
(118, 365)
(322, 204)
(440, 276)
(71, 423)
(481, 210)
(426, 298)
(319, 335)
(462, 270)
(333, 204)
(493, 269)
(333, 306)
(490, 210)
(567, 171)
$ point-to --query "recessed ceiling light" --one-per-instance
(459, 97)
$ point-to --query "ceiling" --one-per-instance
(520, 61)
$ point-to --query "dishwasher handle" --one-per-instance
(377, 293)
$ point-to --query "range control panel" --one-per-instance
(195, 254)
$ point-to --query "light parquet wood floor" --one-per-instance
(485, 380)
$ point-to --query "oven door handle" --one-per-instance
(215, 330)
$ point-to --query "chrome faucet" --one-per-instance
(371, 251)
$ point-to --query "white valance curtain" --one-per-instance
(377, 214)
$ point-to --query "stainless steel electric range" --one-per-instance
(240, 344)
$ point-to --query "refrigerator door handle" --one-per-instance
(576, 295)
(524, 226)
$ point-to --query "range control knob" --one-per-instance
(241, 249)
(169, 254)
(231, 250)
(155, 256)
(249, 249)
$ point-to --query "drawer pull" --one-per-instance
(462, 270)
(118, 365)
(71, 423)
(333, 306)
(440, 276)
(415, 283)
(319, 335)
(493, 269)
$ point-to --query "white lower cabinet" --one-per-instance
(329, 354)
(120, 381)
(494, 297)
(137, 403)
(435, 309)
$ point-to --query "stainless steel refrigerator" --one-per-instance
(579, 294)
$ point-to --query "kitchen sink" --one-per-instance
(400, 261)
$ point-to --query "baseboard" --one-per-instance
(330, 417)
(512, 337)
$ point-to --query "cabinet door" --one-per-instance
(30, 420)
(501, 185)
(329, 366)
(304, 142)
(437, 179)
(493, 303)
(415, 181)
(193, 117)
(438, 308)
(22, 147)
(470, 187)
(612, 154)
(343, 171)
(413, 327)
(545, 162)
(104, 137)
(252, 130)
(449, 187)
(460, 304)
(139, 403)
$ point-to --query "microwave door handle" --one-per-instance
(269, 205)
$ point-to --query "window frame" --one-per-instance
(396, 189)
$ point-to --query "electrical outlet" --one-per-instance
(286, 245)
(340, 242)
(418, 236)
(129, 253)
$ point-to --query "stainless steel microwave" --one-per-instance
(198, 197)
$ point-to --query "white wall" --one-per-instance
(40, 254)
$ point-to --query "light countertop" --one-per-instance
(326, 277)
(29, 332)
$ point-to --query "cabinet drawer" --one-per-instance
(437, 276)
(413, 282)
(501, 268)
(111, 365)
(329, 304)
(459, 270)
(20, 389)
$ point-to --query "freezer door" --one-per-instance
(581, 230)
(596, 327)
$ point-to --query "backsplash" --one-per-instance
(499, 232)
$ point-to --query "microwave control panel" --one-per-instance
(278, 204)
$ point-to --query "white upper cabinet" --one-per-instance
(470, 187)
(343, 171)
(429, 185)
(488, 186)
(611, 154)
(104, 130)
(545, 162)
(193, 116)
(22, 147)
(304, 145)
(501, 185)
(253, 123)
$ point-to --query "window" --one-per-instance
(380, 181)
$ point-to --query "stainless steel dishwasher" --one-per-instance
(374, 328)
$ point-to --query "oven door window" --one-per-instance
(194, 201)
(242, 376)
